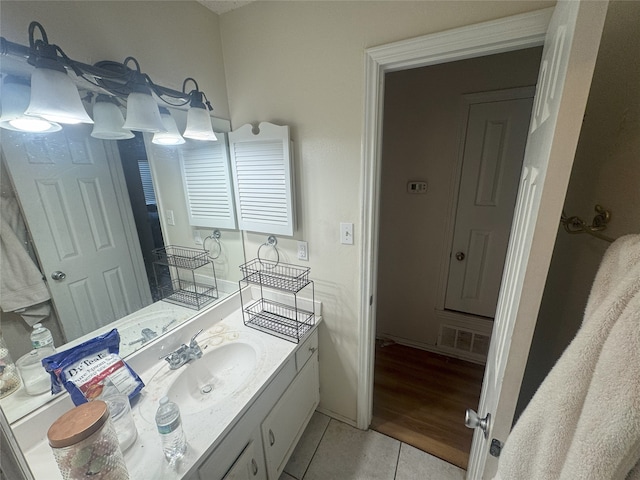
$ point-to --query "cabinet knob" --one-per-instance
(272, 438)
(254, 467)
(460, 256)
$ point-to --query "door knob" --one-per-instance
(58, 275)
(459, 256)
(473, 420)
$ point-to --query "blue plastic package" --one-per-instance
(82, 369)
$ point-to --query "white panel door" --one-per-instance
(493, 151)
(65, 187)
(569, 55)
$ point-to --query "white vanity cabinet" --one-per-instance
(284, 425)
(260, 443)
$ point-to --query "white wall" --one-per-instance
(606, 171)
(422, 126)
(302, 64)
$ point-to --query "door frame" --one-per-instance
(498, 36)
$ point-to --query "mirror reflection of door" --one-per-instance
(137, 173)
(494, 144)
(72, 193)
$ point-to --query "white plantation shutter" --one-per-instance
(207, 183)
(263, 178)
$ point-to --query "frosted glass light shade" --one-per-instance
(143, 114)
(15, 100)
(172, 135)
(199, 125)
(55, 97)
(108, 122)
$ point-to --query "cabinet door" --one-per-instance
(284, 425)
(248, 466)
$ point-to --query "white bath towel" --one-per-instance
(583, 423)
(21, 284)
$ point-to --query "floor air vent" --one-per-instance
(463, 343)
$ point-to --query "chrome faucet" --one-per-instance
(184, 353)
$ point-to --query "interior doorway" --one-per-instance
(422, 387)
(137, 173)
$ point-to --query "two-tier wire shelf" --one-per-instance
(280, 314)
(185, 276)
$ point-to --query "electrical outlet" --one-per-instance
(170, 219)
(197, 237)
(346, 233)
(303, 251)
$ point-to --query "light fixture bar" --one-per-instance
(104, 78)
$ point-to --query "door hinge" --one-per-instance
(496, 447)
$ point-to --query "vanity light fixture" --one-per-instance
(198, 120)
(16, 93)
(55, 96)
(143, 114)
(108, 119)
(172, 135)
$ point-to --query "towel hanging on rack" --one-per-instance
(584, 420)
(22, 286)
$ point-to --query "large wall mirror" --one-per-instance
(98, 214)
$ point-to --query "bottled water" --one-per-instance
(41, 337)
(169, 426)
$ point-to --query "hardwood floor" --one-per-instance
(420, 398)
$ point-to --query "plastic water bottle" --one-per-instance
(41, 337)
(169, 426)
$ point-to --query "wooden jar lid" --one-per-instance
(77, 424)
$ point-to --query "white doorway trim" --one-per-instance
(488, 38)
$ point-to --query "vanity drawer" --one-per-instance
(308, 348)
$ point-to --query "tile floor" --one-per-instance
(332, 450)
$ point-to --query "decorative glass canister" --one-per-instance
(85, 444)
(9, 378)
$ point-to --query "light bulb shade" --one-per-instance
(143, 114)
(15, 100)
(55, 97)
(172, 135)
(108, 121)
(199, 125)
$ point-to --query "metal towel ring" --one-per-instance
(216, 237)
(271, 242)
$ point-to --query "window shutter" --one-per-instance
(263, 178)
(207, 183)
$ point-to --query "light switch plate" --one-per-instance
(346, 233)
(170, 219)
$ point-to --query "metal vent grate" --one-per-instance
(463, 341)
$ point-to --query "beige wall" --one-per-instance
(301, 64)
(422, 125)
(606, 171)
(172, 40)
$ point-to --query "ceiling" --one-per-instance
(223, 6)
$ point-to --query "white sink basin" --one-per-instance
(216, 376)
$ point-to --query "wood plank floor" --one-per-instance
(420, 398)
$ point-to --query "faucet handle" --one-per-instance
(193, 343)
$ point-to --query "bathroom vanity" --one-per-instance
(244, 404)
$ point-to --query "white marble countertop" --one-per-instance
(204, 429)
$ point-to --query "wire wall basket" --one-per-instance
(284, 321)
(181, 257)
(188, 294)
(273, 274)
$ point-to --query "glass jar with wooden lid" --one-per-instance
(85, 444)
